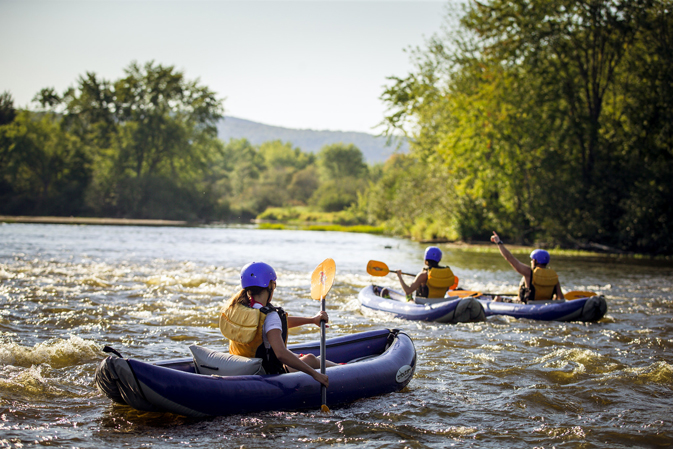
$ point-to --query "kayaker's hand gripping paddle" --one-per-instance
(321, 282)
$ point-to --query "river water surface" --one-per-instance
(66, 291)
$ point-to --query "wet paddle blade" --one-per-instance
(576, 294)
(322, 279)
(321, 282)
(376, 268)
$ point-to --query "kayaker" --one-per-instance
(539, 282)
(434, 281)
(256, 328)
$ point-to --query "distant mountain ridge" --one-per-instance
(374, 149)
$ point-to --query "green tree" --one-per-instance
(45, 170)
(339, 161)
(165, 114)
(342, 172)
(303, 185)
(279, 155)
(535, 108)
(7, 110)
(646, 128)
(412, 198)
(151, 135)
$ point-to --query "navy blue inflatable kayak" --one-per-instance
(377, 362)
(592, 308)
(442, 310)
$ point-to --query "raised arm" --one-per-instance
(521, 268)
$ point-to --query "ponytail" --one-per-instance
(242, 297)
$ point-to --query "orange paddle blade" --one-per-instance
(322, 278)
(324, 408)
(376, 268)
(463, 293)
(576, 294)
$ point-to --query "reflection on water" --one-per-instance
(151, 292)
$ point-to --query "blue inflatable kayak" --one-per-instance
(376, 362)
(441, 310)
(592, 308)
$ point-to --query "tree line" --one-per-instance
(146, 146)
(550, 122)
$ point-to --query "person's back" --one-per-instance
(543, 284)
(440, 280)
(539, 282)
(256, 328)
(434, 281)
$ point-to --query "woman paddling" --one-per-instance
(433, 281)
(256, 328)
(539, 282)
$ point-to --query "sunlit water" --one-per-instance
(66, 291)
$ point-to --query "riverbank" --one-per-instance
(363, 229)
(480, 247)
(91, 221)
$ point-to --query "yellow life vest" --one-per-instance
(243, 326)
(440, 279)
(544, 282)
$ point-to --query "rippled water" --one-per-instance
(66, 291)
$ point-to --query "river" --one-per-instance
(150, 292)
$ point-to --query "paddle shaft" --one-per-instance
(323, 352)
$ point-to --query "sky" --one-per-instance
(311, 64)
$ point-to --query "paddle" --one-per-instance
(464, 293)
(576, 294)
(376, 268)
(321, 282)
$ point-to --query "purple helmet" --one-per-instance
(433, 253)
(540, 256)
(257, 274)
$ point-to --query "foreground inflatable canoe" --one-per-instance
(592, 308)
(442, 310)
(377, 362)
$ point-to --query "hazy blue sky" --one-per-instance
(299, 64)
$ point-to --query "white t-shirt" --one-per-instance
(271, 322)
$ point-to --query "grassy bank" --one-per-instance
(488, 247)
(324, 227)
(307, 219)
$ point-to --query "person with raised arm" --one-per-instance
(539, 282)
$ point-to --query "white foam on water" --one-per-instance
(26, 381)
(482, 357)
(57, 353)
(560, 357)
(658, 372)
(5, 275)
